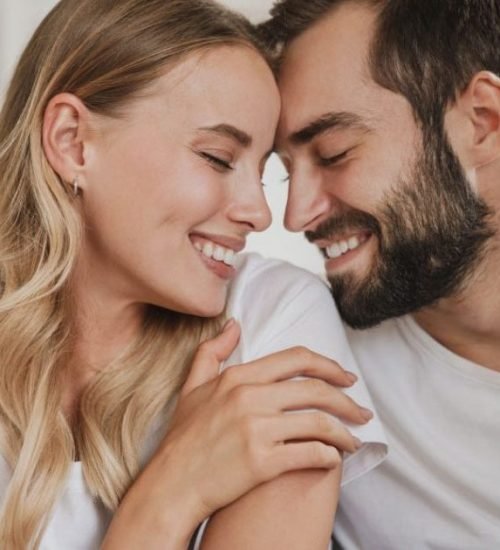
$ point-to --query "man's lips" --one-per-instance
(338, 245)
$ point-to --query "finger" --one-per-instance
(311, 393)
(301, 456)
(298, 361)
(210, 355)
(309, 426)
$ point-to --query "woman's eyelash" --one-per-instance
(216, 161)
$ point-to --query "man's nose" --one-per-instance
(308, 202)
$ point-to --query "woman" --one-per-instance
(132, 142)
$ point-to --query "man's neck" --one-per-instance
(469, 324)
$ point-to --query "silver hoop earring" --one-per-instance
(75, 187)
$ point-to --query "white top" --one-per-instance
(278, 306)
(439, 488)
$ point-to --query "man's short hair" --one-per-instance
(426, 50)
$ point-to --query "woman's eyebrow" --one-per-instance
(230, 131)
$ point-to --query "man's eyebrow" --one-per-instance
(230, 131)
(328, 121)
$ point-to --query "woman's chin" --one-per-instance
(210, 311)
(207, 310)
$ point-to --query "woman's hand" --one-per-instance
(231, 432)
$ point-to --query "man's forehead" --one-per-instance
(324, 68)
(343, 33)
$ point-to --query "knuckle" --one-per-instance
(242, 398)
(324, 454)
(205, 346)
(323, 422)
(317, 452)
(250, 429)
(317, 387)
(302, 353)
(334, 457)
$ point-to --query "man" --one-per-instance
(391, 136)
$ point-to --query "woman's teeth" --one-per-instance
(339, 248)
(217, 252)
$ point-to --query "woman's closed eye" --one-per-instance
(216, 162)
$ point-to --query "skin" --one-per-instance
(126, 259)
(351, 167)
(183, 165)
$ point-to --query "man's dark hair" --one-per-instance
(425, 50)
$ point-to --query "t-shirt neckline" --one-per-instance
(429, 345)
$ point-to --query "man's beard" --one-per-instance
(431, 231)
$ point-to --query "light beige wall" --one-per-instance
(18, 19)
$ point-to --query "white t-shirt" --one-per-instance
(278, 306)
(439, 488)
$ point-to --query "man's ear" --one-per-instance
(478, 109)
(65, 125)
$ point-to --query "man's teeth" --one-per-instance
(341, 247)
(217, 252)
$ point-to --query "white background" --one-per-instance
(18, 19)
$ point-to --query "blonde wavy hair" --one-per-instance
(105, 52)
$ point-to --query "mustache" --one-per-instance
(342, 223)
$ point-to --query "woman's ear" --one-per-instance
(65, 126)
(479, 119)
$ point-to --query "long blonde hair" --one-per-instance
(104, 52)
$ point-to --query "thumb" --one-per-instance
(210, 355)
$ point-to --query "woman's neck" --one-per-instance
(104, 325)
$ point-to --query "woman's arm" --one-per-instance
(225, 439)
(294, 511)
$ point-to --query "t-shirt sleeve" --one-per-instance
(280, 306)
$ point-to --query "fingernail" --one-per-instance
(366, 413)
(228, 324)
(357, 443)
(351, 377)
